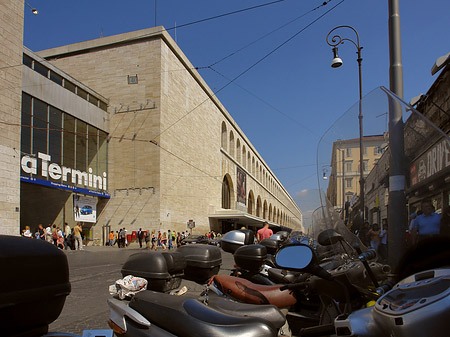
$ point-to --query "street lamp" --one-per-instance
(335, 41)
(33, 10)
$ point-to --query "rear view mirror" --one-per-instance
(294, 257)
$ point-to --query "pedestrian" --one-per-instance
(140, 235)
(48, 234)
(77, 234)
(27, 232)
(383, 248)
(169, 239)
(153, 240)
(427, 224)
(41, 232)
(374, 237)
(116, 238)
(67, 232)
(111, 238)
(264, 233)
(159, 238)
(60, 240)
(125, 238)
(147, 239)
(121, 241)
(164, 240)
(54, 234)
(363, 234)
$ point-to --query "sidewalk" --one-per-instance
(131, 246)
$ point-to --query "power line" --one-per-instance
(249, 68)
(271, 32)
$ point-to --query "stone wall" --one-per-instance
(11, 34)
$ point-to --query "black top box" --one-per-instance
(203, 261)
(34, 283)
(237, 238)
(250, 257)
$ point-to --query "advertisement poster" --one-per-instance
(241, 186)
(85, 208)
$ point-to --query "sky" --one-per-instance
(287, 95)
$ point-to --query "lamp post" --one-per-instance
(335, 41)
(33, 10)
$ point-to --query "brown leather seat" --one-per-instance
(248, 292)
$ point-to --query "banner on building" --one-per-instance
(241, 186)
(85, 208)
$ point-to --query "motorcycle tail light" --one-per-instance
(117, 329)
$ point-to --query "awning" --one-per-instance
(241, 218)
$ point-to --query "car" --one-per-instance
(86, 210)
(199, 239)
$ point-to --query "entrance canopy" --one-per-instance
(242, 218)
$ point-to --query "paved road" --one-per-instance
(91, 273)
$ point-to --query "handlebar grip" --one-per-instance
(320, 330)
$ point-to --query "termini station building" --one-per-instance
(122, 131)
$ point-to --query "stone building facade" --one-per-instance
(175, 155)
(11, 33)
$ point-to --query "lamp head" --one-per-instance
(34, 11)
(337, 61)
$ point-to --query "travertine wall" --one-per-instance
(184, 163)
(11, 34)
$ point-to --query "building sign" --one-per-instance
(84, 208)
(431, 162)
(190, 224)
(29, 164)
(70, 188)
(241, 186)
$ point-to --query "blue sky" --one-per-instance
(287, 101)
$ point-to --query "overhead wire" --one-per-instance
(248, 68)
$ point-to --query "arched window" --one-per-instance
(253, 165)
(231, 144)
(258, 207)
(227, 192)
(270, 212)
(249, 163)
(251, 203)
(244, 157)
(238, 150)
(224, 136)
(265, 209)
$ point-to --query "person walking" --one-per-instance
(427, 224)
(153, 240)
(264, 233)
(140, 235)
(77, 234)
(164, 240)
(374, 236)
(111, 238)
(67, 232)
(147, 239)
(169, 239)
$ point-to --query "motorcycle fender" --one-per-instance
(119, 310)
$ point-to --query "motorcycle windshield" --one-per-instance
(426, 157)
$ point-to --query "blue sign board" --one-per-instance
(71, 188)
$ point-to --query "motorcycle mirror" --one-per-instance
(294, 257)
(329, 237)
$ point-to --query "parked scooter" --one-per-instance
(418, 305)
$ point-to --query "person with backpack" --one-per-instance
(140, 235)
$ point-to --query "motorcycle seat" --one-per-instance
(248, 292)
(185, 316)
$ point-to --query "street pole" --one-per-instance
(397, 215)
(337, 62)
(343, 186)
